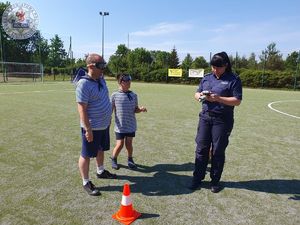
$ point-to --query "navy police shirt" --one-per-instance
(228, 85)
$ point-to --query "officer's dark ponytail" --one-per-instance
(221, 59)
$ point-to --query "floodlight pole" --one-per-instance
(264, 68)
(40, 56)
(297, 66)
(1, 45)
(103, 14)
(1, 49)
(128, 41)
(235, 63)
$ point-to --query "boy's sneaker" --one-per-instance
(131, 164)
(91, 189)
(107, 175)
(114, 164)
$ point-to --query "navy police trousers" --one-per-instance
(213, 131)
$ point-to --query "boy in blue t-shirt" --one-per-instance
(125, 105)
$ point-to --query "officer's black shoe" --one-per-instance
(215, 188)
(194, 185)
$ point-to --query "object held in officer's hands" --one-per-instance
(203, 97)
(206, 92)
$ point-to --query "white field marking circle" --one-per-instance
(270, 106)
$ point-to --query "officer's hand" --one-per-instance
(212, 98)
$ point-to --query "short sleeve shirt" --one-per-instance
(228, 85)
(125, 104)
(95, 95)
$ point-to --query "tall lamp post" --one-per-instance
(1, 49)
(296, 74)
(103, 14)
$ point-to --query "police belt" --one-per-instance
(213, 114)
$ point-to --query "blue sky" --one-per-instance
(197, 27)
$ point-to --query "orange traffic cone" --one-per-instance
(126, 214)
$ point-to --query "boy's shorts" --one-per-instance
(121, 136)
(101, 142)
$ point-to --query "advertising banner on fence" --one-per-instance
(175, 72)
(196, 72)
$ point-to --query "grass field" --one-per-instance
(40, 146)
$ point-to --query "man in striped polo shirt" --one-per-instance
(95, 111)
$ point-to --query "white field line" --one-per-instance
(29, 92)
(270, 106)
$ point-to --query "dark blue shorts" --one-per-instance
(121, 136)
(101, 142)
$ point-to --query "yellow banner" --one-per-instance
(175, 72)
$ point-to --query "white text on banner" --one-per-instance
(196, 72)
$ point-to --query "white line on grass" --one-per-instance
(270, 106)
(25, 92)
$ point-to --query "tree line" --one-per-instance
(151, 66)
(269, 70)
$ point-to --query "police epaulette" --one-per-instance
(237, 75)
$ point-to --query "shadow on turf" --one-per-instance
(275, 186)
(148, 215)
(164, 182)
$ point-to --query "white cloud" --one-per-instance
(254, 37)
(243, 38)
(163, 28)
(225, 28)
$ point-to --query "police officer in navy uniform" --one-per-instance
(219, 92)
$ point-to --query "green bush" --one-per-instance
(250, 78)
(269, 79)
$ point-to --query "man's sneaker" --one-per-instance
(131, 164)
(114, 164)
(91, 189)
(107, 175)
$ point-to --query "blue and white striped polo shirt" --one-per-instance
(125, 104)
(99, 106)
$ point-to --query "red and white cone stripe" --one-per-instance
(126, 200)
